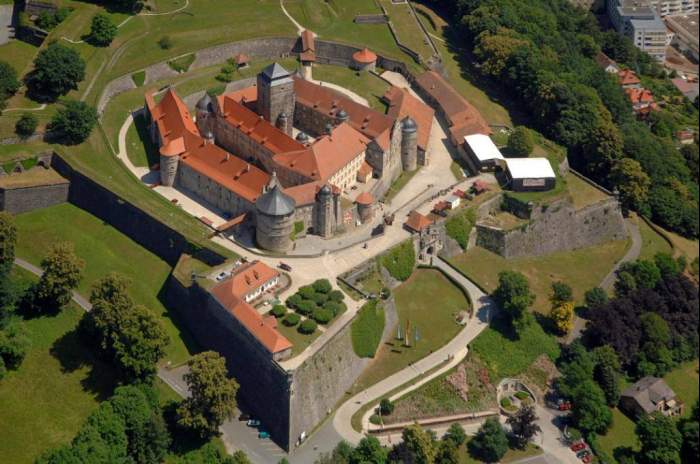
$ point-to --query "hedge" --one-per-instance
(400, 261)
(367, 329)
(278, 311)
(322, 286)
(307, 327)
(322, 315)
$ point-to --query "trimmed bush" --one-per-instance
(306, 307)
(334, 307)
(307, 292)
(291, 319)
(322, 286)
(522, 396)
(323, 315)
(307, 327)
(506, 403)
(319, 298)
(26, 125)
(165, 42)
(386, 406)
(294, 301)
(336, 295)
(374, 419)
(400, 261)
(278, 311)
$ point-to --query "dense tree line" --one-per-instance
(652, 323)
(542, 53)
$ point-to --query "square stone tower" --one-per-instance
(276, 96)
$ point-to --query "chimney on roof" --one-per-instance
(247, 167)
(256, 274)
(228, 156)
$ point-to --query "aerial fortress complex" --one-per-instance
(283, 152)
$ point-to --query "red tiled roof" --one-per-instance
(628, 77)
(257, 128)
(402, 104)
(327, 155)
(365, 169)
(463, 117)
(639, 96)
(177, 128)
(307, 41)
(326, 100)
(242, 58)
(365, 198)
(417, 222)
(365, 56)
(308, 55)
(250, 277)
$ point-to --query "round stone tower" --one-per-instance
(409, 144)
(365, 207)
(325, 219)
(303, 137)
(204, 114)
(274, 218)
(342, 116)
(283, 123)
(169, 160)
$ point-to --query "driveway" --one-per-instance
(6, 29)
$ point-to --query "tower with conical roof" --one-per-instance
(409, 144)
(276, 96)
(274, 218)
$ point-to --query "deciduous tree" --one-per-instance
(524, 425)
(590, 412)
(520, 141)
(63, 271)
(660, 439)
(563, 317)
(490, 442)
(102, 30)
(213, 395)
(57, 70)
(74, 122)
(368, 450)
(514, 296)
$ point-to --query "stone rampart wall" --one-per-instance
(556, 227)
(322, 380)
(270, 47)
(264, 384)
(130, 220)
(23, 199)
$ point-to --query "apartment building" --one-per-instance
(641, 21)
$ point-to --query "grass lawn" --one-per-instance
(45, 401)
(367, 329)
(299, 340)
(364, 84)
(582, 269)
(25, 150)
(512, 455)
(582, 193)
(620, 435)
(407, 28)
(684, 381)
(507, 355)
(372, 281)
(333, 20)
(104, 250)
(140, 149)
(21, 54)
(429, 301)
(652, 242)
(684, 245)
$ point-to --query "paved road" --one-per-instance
(631, 255)
(6, 29)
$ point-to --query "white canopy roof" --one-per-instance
(483, 147)
(529, 168)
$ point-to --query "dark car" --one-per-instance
(244, 417)
(285, 267)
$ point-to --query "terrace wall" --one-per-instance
(24, 199)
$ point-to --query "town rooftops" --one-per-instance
(365, 56)
(417, 222)
(483, 147)
(648, 392)
(529, 168)
(639, 96)
(464, 119)
(628, 77)
(403, 104)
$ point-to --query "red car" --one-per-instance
(586, 459)
(578, 446)
(564, 406)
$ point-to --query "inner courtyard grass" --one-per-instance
(104, 250)
(299, 340)
(364, 84)
(430, 302)
(60, 382)
(582, 269)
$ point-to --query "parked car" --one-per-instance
(221, 276)
(563, 405)
(253, 423)
(583, 454)
(285, 267)
(244, 417)
(263, 435)
(578, 446)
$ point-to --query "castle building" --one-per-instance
(238, 153)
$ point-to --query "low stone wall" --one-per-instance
(270, 47)
(24, 199)
(556, 227)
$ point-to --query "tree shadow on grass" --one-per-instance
(73, 354)
(503, 326)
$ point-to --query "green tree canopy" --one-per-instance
(368, 451)
(631, 181)
(514, 296)
(212, 395)
(63, 271)
(660, 439)
(520, 141)
(74, 122)
(524, 425)
(26, 125)
(490, 443)
(57, 70)
(590, 412)
(102, 30)
(9, 84)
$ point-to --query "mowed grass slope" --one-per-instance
(582, 269)
(430, 302)
(104, 250)
(59, 383)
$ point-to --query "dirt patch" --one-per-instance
(540, 375)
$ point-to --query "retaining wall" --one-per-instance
(24, 199)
